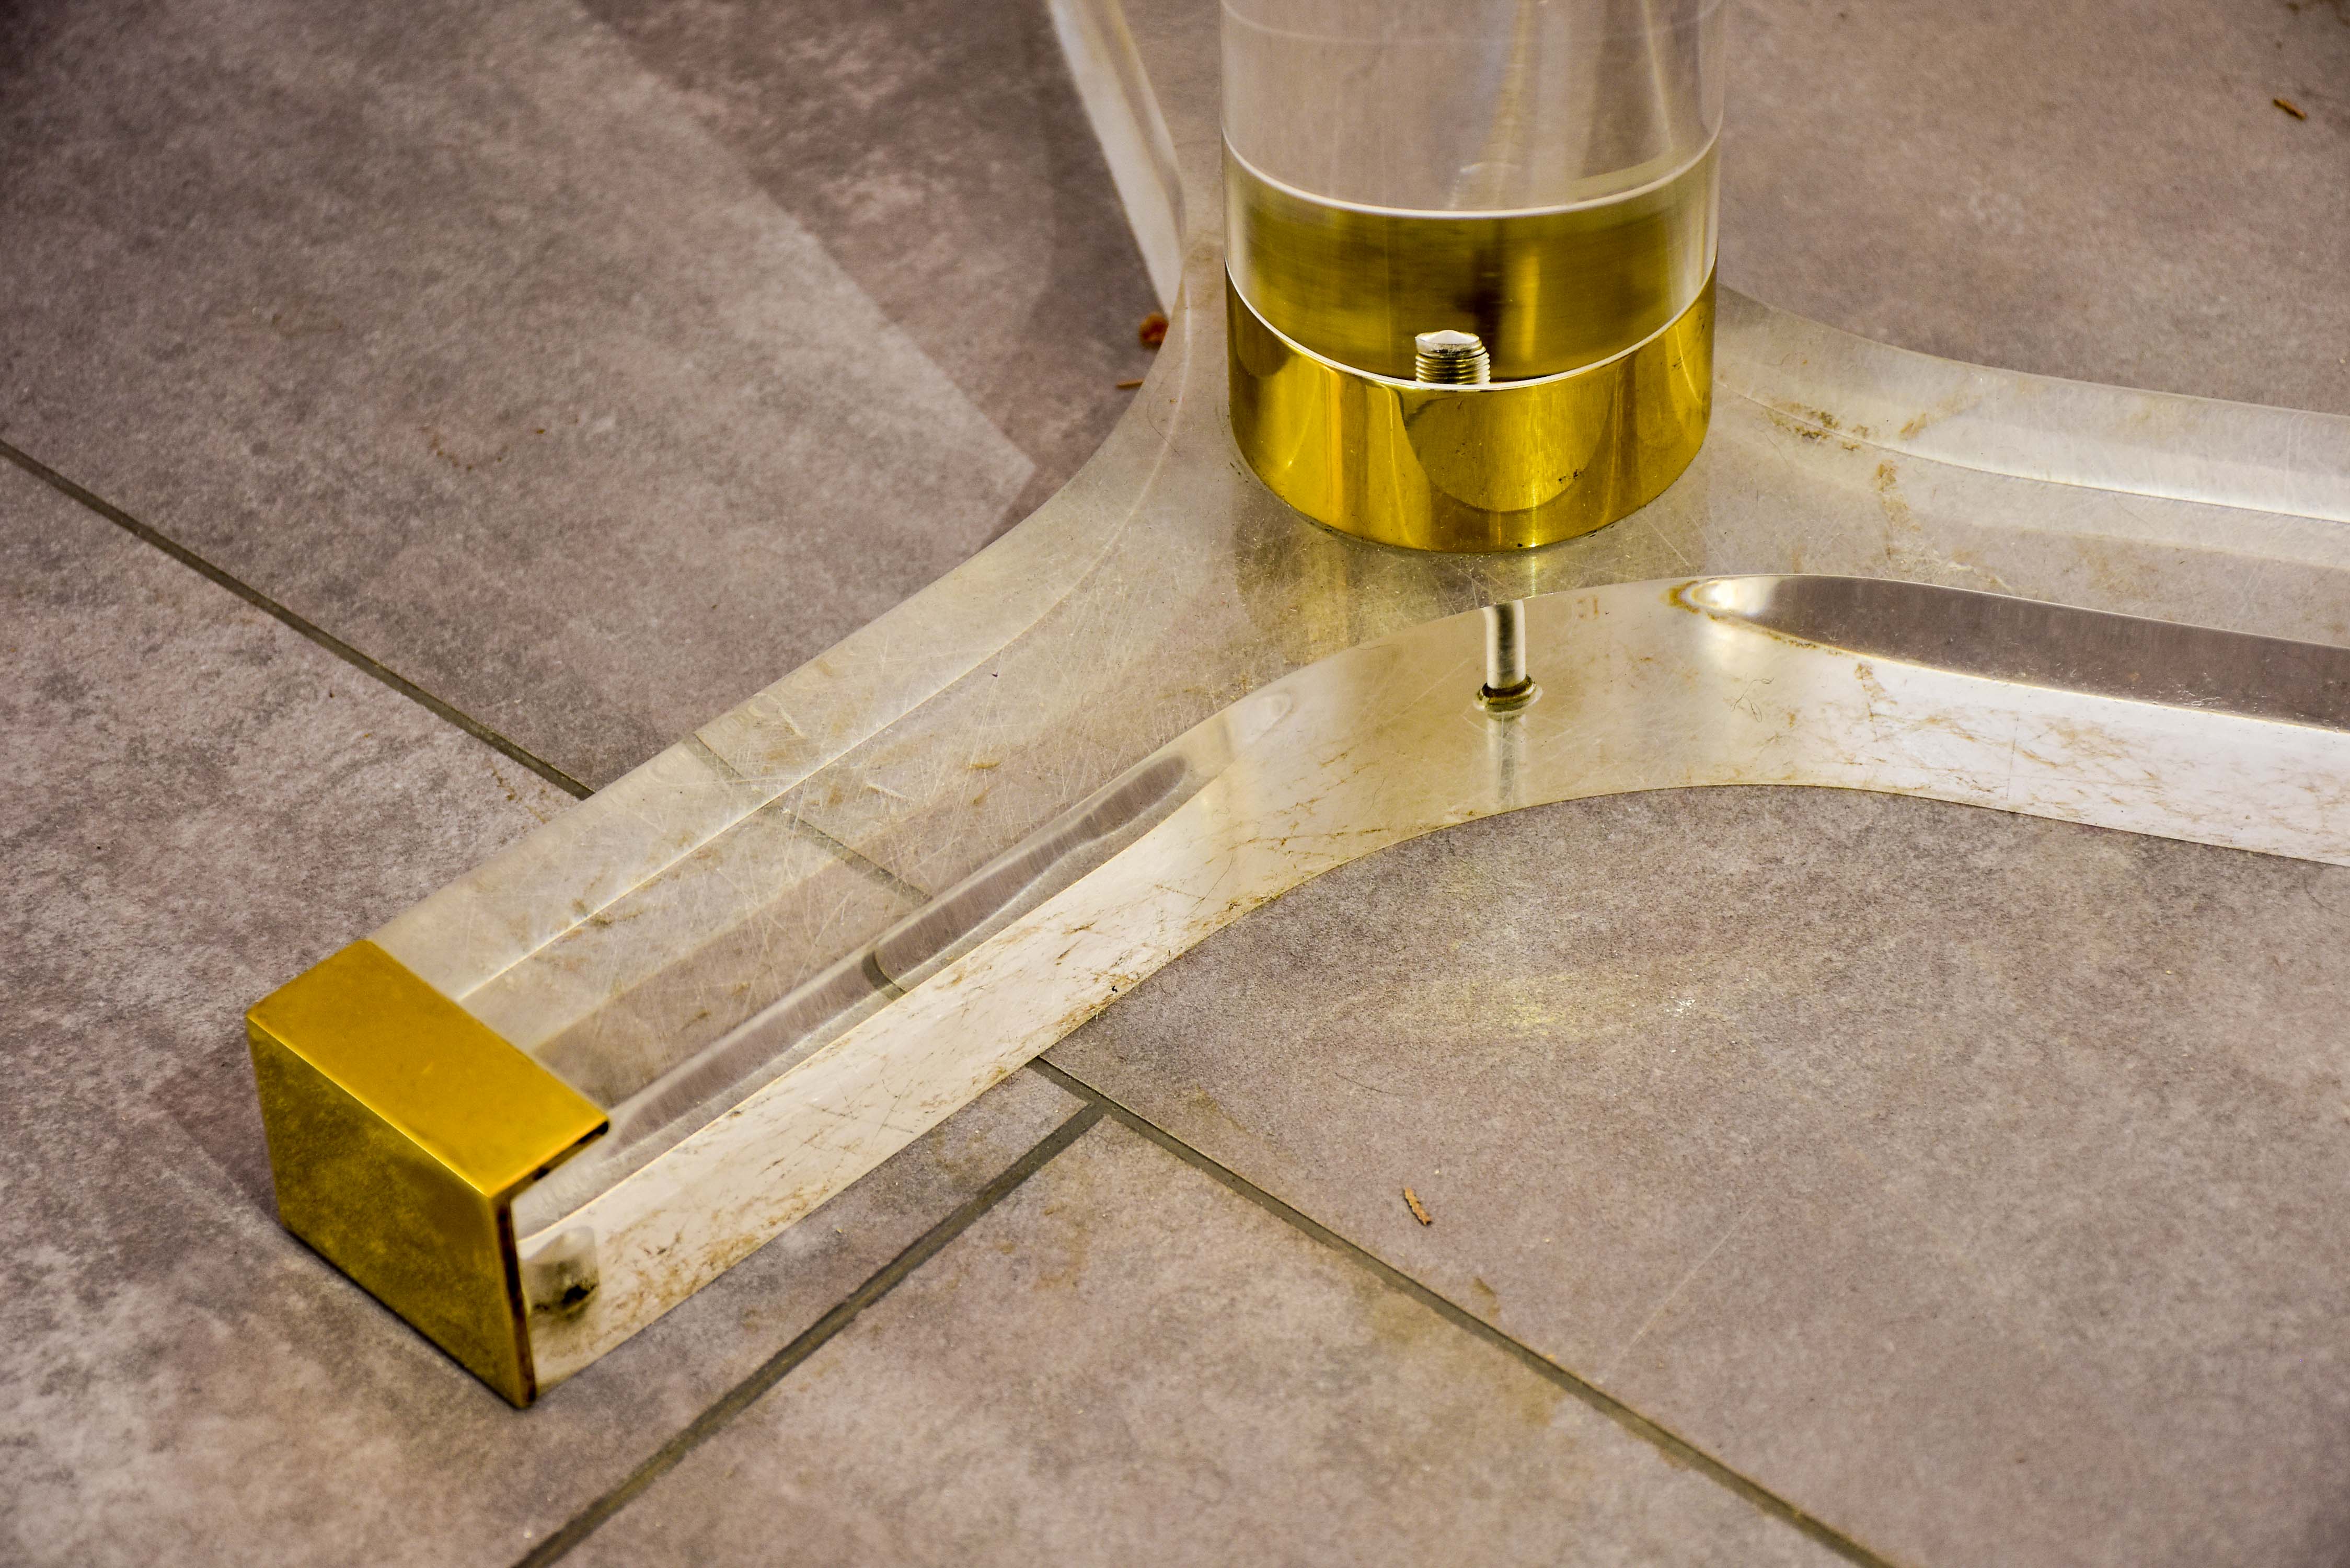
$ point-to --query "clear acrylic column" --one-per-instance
(1539, 173)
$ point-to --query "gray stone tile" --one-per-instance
(2061, 186)
(938, 150)
(458, 333)
(1971, 1181)
(1124, 1362)
(195, 802)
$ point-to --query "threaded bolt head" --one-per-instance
(1451, 358)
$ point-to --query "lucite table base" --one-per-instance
(779, 951)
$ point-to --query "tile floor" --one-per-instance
(1958, 1205)
(379, 391)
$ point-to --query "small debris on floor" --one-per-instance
(1129, 386)
(2290, 107)
(1153, 330)
(1417, 1213)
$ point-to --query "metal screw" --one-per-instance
(1507, 686)
(1459, 360)
(1451, 358)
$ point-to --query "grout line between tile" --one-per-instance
(318, 634)
(1676, 1448)
(776, 1368)
(873, 869)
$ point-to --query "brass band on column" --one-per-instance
(1506, 465)
(1597, 317)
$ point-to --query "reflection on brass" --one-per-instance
(399, 1130)
(1547, 291)
(1505, 466)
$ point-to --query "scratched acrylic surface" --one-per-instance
(1860, 683)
